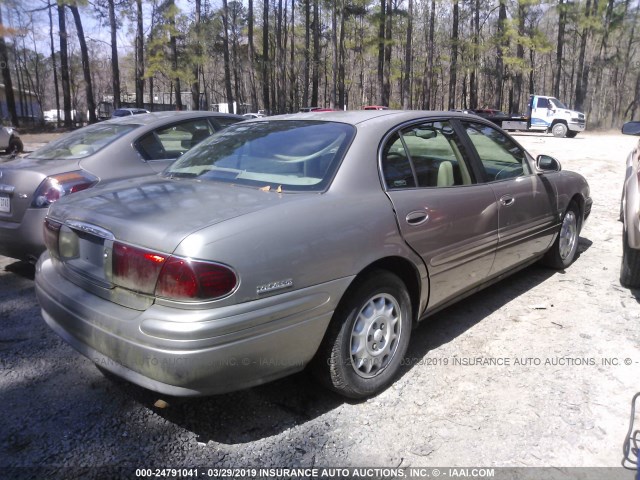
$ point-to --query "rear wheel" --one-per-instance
(367, 338)
(15, 146)
(559, 130)
(564, 249)
(630, 268)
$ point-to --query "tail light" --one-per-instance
(51, 235)
(186, 279)
(135, 268)
(56, 186)
(170, 277)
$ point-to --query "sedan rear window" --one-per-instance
(83, 142)
(288, 155)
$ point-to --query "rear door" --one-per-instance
(449, 219)
(527, 212)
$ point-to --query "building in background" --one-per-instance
(27, 106)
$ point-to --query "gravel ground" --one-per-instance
(559, 397)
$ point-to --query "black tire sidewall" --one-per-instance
(343, 373)
(569, 260)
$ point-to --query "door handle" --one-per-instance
(417, 217)
(507, 200)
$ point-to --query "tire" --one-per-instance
(630, 267)
(565, 247)
(559, 130)
(571, 134)
(374, 318)
(15, 145)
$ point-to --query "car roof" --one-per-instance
(163, 117)
(355, 117)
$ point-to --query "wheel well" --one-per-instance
(401, 267)
(556, 121)
(577, 198)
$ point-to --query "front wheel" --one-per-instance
(367, 338)
(564, 249)
(571, 134)
(630, 268)
(559, 130)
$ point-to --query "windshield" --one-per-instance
(557, 103)
(83, 142)
(288, 155)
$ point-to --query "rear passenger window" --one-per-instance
(425, 155)
(170, 142)
(223, 122)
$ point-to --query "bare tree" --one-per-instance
(562, 20)
(139, 80)
(86, 71)
(64, 65)
(265, 55)
(227, 65)
(6, 77)
(453, 66)
(115, 68)
(408, 61)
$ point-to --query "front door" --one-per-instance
(443, 214)
(527, 212)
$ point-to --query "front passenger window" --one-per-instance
(501, 157)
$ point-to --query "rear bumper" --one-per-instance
(23, 240)
(190, 352)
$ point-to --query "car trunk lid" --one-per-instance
(153, 213)
(19, 180)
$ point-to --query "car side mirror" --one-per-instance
(546, 163)
(631, 128)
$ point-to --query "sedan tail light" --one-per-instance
(186, 279)
(135, 268)
(56, 186)
(51, 235)
(170, 277)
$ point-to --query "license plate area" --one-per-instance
(5, 204)
(87, 255)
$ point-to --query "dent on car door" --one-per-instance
(527, 203)
(443, 214)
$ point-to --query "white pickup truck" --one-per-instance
(544, 114)
(10, 140)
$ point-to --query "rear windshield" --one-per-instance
(288, 155)
(83, 142)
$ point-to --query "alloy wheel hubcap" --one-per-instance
(375, 335)
(568, 234)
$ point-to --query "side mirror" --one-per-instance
(546, 163)
(631, 128)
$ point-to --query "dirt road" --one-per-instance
(538, 370)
